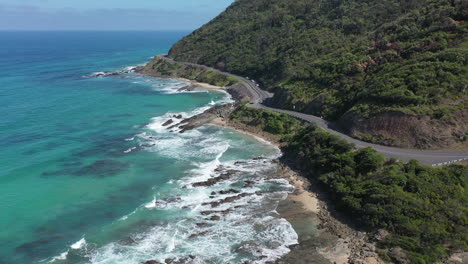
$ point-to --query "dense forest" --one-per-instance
(358, 62)
(424, 208)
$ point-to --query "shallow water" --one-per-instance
(88, 174)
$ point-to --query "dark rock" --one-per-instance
(202, 224)
(185, 260)
(168, 122)
(192, 236)
(205, 117)
(229, 191)
(187, 88)
(152, 262)
(229, 199)
(224, 212)
(174, 199)
(215, 218)
(177, 116)
(213, 181)
(248, 184)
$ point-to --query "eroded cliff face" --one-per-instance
(408, 131)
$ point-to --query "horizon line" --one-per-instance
(92, 30)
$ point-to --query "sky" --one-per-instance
(108, 14)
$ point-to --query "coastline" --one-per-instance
(200, 85)
(323, 238)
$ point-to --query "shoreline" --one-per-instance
(200, 85)
(322, 237)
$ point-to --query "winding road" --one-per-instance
(429, 157)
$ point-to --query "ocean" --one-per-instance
(88, 174)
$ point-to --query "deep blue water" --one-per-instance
(89, 175)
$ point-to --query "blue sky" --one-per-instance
(108, 14)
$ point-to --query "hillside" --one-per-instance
(390, 72)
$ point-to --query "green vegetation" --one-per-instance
(424, 208)
(269, 121)
(334, 57)
(165, 68)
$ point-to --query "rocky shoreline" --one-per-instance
(323, 237)
(334, 241)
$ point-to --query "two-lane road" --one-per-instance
(429, 157)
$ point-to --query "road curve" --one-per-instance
(258, 95)
(429, 157)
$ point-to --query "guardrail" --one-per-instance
(448, 162)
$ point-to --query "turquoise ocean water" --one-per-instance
(88, 174)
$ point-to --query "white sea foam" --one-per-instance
(131, 68)
(62, 256)
(79, 244)
(173, 87)
(151, 204)
(214, 242)
(205, 170)
(75, 246)
(172, 242)
(248, 230)
(129, 150)
(125, 217)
